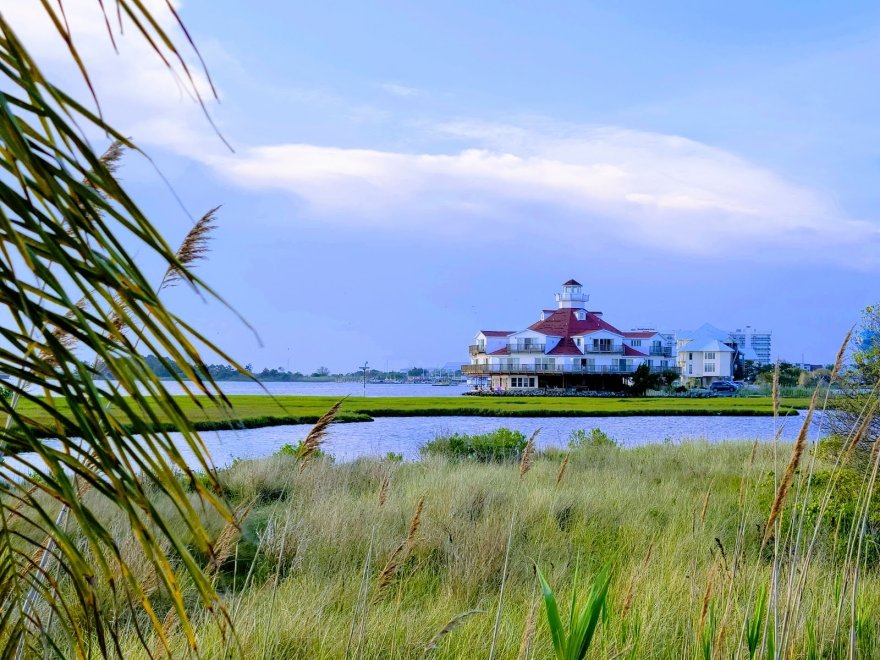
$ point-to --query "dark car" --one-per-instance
(723, 386)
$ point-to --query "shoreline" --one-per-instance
(257, 411)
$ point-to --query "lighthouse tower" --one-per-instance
(572, 296)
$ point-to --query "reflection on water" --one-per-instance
(405, 435)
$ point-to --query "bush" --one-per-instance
(579, 438)
(500, 445)
(297, 451)
(5, 394)
(394, 457)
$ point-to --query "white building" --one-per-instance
(706, 354)
(755, 344)
(568, 347)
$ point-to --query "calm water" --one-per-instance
(405, 435)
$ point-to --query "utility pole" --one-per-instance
(365, 368)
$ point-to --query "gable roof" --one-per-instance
(640, 334)
(706, 344)
(496, 333)
(563, 323)
(565, 347)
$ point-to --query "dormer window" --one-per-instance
(580, 315)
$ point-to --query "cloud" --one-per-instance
(396, 89)
(666, 192)
(608, 187)
(138, 93)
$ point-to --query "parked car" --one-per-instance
(723, 386)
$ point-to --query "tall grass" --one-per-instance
(690, 577)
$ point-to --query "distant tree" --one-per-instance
(321, 371)
(859, 382)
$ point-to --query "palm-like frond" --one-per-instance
(72, 297)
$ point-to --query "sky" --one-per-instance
(401, 175)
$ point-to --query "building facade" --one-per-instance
(755, 344)
(568, 347)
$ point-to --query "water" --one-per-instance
(404, 435)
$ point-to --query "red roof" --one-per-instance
(629, 350)
(565, 347)
(501, 351)
(564, 323)
(496, 333)
(640, 334)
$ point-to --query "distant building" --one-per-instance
(726, 351)
(705, 355)
(755, 344)
(568, 347)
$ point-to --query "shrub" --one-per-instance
(394, 457)
(5, 394)
(499, 445)
(297, 450)
(579, 438)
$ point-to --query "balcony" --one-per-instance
(663, 351)
(605, 349)
(519, 347)
(489, 369)
(476, 348)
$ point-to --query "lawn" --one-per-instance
(253, 411)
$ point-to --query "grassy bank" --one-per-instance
(679, 526)
(252, 411)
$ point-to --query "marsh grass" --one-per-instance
(689, 575)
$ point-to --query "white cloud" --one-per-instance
(599, 185)
(396, 89)
(667, 192)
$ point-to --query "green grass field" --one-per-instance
(252, 411)
(679, 526)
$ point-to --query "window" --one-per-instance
(602, 345)
(522, 381)
(636, 342)
(710, 356)
(709, 368)
(690, 356)
(690, 368)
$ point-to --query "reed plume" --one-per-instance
(705, 506)
(193, 248)
(562, 469)
(316, 436)
(528, 633)
(383, 490)
(62, 335)
(454, 623)
(227, 539)
(791, 468)
(775, 390)
(528, 455)
(400, 552)
(838, 361)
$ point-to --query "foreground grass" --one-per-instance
(679, 526)
(252, 411)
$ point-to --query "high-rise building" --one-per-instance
(759, 341)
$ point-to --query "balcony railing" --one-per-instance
(476, 348)
(603, 348)
(661, 350)
(485, 369)
(527, 348)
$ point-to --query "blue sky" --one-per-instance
(406, 174)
